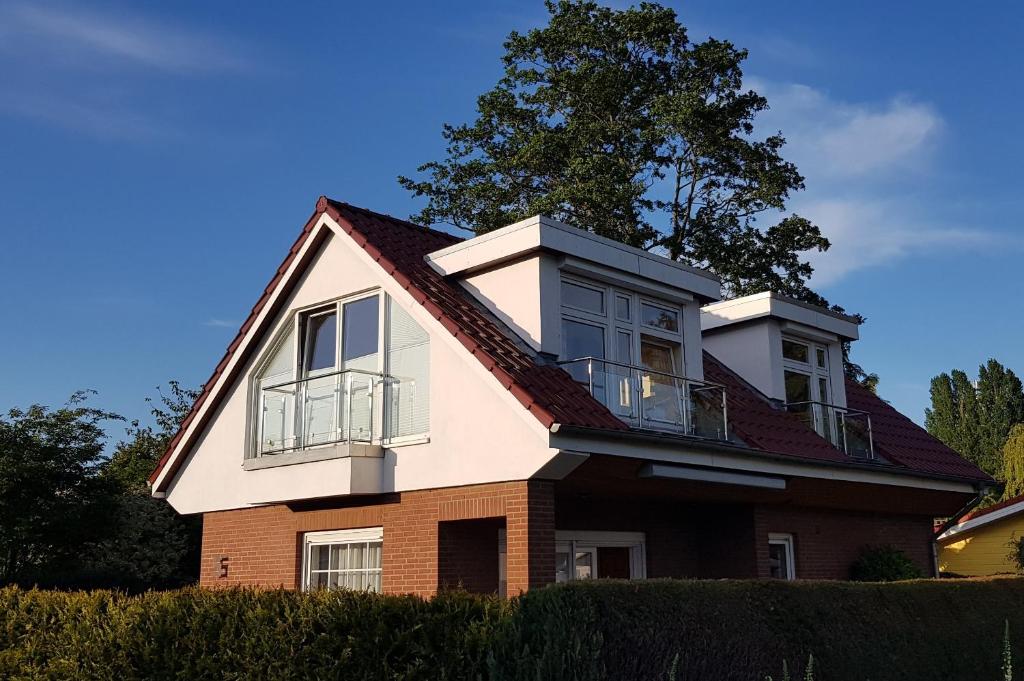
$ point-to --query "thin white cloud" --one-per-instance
(50, 29)
(856, 158)
(106, 121)
(830, 138)
(221, 323)
(869, 232)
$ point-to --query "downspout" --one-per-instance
(983, 491)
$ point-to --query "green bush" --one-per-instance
(660, 630)
(744, 631)
(883, 564)
(243, 634)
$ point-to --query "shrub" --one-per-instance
(883, 564)
(243, 634)
(659, 630)
(743, 631)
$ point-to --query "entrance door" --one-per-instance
(613, 562)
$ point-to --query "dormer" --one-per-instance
(792, 352)
(624, 322)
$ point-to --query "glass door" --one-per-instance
(661, 392)
(360, 359)
(319, 390)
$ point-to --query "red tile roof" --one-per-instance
(982, 512)
(760, 425)
(547, 391)
(905, 443)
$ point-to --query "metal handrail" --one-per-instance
(843, 413)
(624, 365)
(343, 427)
(687, 408)
(326, 375)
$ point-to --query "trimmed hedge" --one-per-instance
(657, 630)
(243, 634)
(742, 631)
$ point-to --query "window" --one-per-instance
(583, 297)
(794, 351)
(592, 555)
(353, 376)
(622, 308)
(582, 340)
(343, 559)
(408, 368)
(359, 337)
(321, 330)
(780, 556)
(659, 317)
(808, 387)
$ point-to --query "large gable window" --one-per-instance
(327, 381)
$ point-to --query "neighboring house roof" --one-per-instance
(549, 392)
(984, 516)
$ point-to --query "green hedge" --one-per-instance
(742, 631)
(196, 634)
(706, 631)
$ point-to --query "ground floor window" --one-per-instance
(780, 556)
(343, 559)
(590, 555)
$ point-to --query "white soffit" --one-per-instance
(984, 519)
(768, 304)
(542, 233)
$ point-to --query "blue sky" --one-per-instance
(156, 162)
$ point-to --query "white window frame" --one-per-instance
(572, 541)
(814, 373)
(611, 324)
(295, 321)
(785, 540)
(335, 537)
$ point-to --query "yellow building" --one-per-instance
(979, 544)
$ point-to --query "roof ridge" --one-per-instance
(392, 218)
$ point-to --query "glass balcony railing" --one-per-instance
(340, 406)
(645, 398)
(848, 430)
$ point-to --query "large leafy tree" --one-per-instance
(975, 418)
(150, 545)
(614, 121)
(53, 500)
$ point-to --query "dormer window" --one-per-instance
(627, 349)
(335, 385)
(808, 387)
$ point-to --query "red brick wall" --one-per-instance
(262, 546)
(826, 543)
(468, 554)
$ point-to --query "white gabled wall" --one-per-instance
(478, 431)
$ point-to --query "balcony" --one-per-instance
(321, 410)
(848, 430)
(654, 400)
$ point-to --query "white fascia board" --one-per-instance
(251, 336)
(543, 233)
(985, 519)
(768, 304)
(748, 462)
(657, 470)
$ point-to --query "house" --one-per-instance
(978, 545)
(406, 411)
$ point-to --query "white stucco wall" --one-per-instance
(754, 351)
(478, 431)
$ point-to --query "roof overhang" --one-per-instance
(541, 233)
(797, 314)
(981, 520)
(689, 451)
